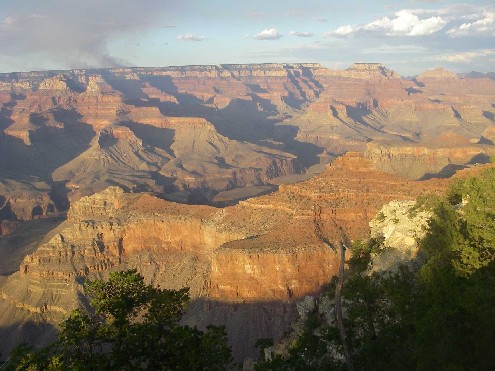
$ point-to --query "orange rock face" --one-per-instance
(200, 130)
(290, 275)
(188, 133)
(252, 260)
(252, 256)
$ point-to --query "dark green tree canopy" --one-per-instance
(435, 314)
(132, 326)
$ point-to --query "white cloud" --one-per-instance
(405, 22)
(301, 34)
(484, 25)
(9, 21)
(382, 23)
(465, 57)
(268, 34)
(346, 30)
(428, 26)
(190, 37)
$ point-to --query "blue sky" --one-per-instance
(408, 36)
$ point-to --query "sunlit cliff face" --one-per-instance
(204, 133)
(192, 132)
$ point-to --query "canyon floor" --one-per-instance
(214, 177)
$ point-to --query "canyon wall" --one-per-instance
(257, 258)
(191, 132)
(419, 162)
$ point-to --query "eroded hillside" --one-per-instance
(190, 132)
(214, 135)
(252, 260)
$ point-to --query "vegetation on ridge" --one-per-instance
(436, 312)
(433, 313)
(132, 326)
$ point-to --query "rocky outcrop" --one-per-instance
(112, 229)
(116, 157)
(259, 256)
(196, 158)
(25, 201)
(225, 70)
(53, 83)
(362, 105)
(99, 104)
(370, 71)
(400, 226)
(7, 227)
(287, 271)
(205, 129)
(437, 73)
(416, 162)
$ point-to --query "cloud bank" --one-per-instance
(405, 23)
(75, 33)
(423, 22)
(466, 57)
(484, 25)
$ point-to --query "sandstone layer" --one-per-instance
(205, 134)
(191, 132)
(252, 260)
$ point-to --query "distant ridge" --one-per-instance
(476, 75)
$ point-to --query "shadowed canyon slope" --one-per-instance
(249, 261)
(141, 158)
(191, 132)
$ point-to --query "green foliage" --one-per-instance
(434, 314)
(463, 229)
(262, 344)
(308, 352)
(25, 358)
(458, 320)
(425, 202)
(362, 252)
(133, 326)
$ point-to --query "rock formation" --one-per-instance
(189, 134)
(207, 129)
(25, 200)
(400, 226)
(437, 73)
(259, 256)
(7, 227)
(417, 162)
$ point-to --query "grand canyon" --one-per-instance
(213, 177)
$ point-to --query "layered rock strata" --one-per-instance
(205, 129)
(256, 257)
(417, 162)
(186, 133)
